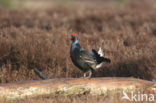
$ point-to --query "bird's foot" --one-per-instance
(87, 77)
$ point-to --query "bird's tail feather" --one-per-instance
(99, 58)
(106, 60)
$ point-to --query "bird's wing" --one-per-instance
(87, 57)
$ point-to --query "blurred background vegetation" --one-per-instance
(6, 3)
(50, 3)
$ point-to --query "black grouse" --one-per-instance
(85, 60)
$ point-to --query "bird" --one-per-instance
(86, 60)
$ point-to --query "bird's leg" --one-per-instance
(90, 74)
(84, 75)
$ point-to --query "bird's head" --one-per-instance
(73, 37)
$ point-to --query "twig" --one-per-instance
(40, 74)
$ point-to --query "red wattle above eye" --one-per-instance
(74, 34)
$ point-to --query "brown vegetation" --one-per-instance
(41, 39)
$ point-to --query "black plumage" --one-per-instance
(85, 60)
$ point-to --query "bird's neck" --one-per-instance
(76, 41)
(75, 44)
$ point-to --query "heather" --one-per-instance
(41, 39)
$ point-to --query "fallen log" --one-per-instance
(74, 86)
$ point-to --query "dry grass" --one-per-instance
(41, 39)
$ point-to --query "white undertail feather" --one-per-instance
(100, 52)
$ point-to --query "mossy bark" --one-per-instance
(74, 86)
